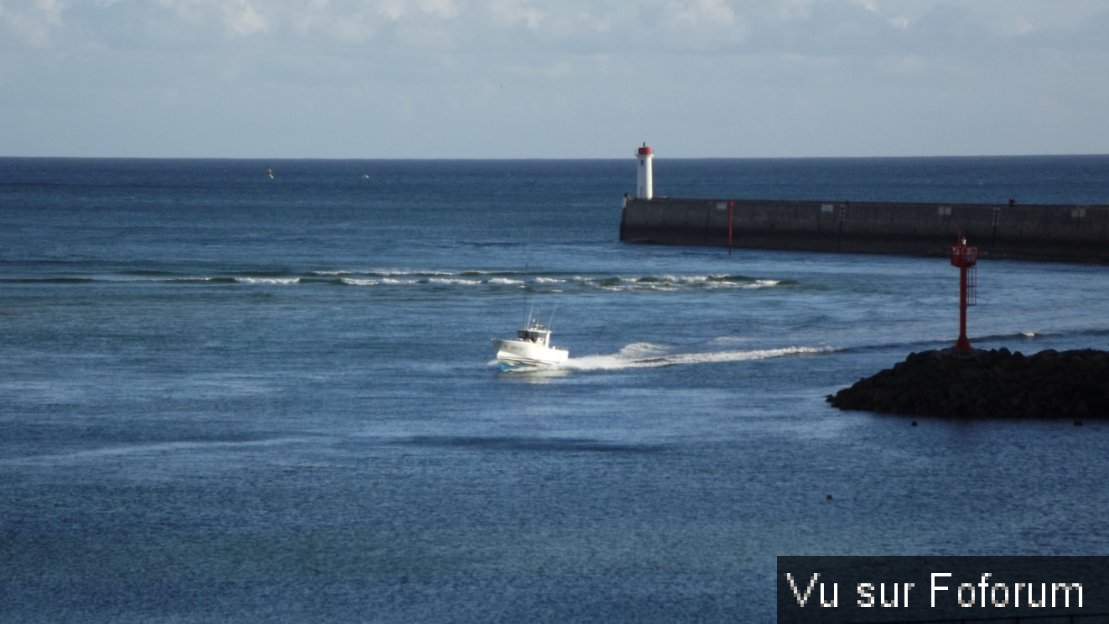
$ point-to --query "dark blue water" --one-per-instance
(230, 398)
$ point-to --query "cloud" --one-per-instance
(712, 26)
(238, 17)
(243, 18)
(394, 69)
(1011, 26)
(33, 22)
(789, 10)
(600, 24)
(442, 9)
(867, 5)
(698, 14)
(514, 13)
(52, 9)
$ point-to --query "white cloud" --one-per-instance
(709, 26)
(793, 9)
(320, 20)
(867, 5)
(33, 22)
(393, 9)
(242, 18)
(443, 9)
(408, 9)
(1011, 26)
(513, 13)
(51, 9)
(699, 14)
(191, 12)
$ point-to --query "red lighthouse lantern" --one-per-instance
(966, 258)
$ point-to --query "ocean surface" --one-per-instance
(225, 397)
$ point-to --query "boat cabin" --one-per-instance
(538, 336)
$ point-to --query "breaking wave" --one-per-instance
(280, 281)
(392, 278)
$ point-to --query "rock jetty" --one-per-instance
(998, 383)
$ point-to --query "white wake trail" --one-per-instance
(640, 355)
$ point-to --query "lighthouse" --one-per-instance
(644, 183)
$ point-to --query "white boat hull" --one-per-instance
(525, 353)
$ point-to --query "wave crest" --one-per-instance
(280, 281)
(463, 278)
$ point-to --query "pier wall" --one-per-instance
(1040, 232)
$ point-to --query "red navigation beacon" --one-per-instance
(965, 258)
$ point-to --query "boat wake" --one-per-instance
(646, 355)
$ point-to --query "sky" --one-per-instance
(552, 79)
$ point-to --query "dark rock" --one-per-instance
(987, 384)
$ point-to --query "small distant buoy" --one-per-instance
(1078, 423)
(914, 423)
(829, 497)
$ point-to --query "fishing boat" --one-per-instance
(531, 348)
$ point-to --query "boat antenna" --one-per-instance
(527, 256)
(550, 323)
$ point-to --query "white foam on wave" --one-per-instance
(453, 281)
(281, 281)
(615, 283)
(638, 357)
(353, 281)
(410, 272)
(763, 283)
(670, 283)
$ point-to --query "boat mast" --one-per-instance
(550, 322)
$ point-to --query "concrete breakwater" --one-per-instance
(1075, 233)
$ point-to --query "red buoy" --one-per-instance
(965, 258)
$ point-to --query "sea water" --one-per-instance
(226, 397)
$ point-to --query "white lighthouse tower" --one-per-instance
(644, 182)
